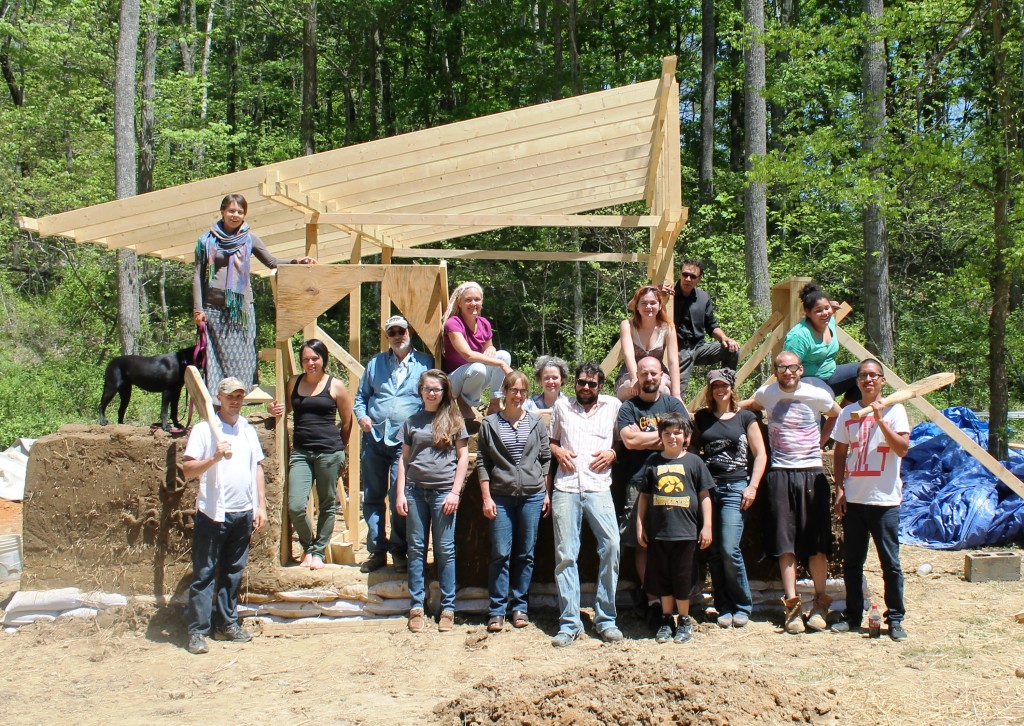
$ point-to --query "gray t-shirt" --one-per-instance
(428, 466)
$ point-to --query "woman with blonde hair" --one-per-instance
(647, 333)
(725, 433)
(470, 358)
(431, 475)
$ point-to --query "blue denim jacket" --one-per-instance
(388, 405)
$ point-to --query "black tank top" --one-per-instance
(314, 423)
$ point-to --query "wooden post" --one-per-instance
(281, 449)
(312, 250)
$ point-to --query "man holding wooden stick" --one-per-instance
(231, 506)
(869, 490)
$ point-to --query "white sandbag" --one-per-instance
(284, 609)
(390, 589)
(247, 611)
(390, 606)
(78, 613)
(341, 608)
(312, 594)
(472, 605)
(27, 617)
(53, 601)
(354, 591)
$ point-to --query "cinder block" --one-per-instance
(990, 566)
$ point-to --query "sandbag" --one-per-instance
(341, 608)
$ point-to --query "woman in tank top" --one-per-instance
(647, 333)
(316, 400)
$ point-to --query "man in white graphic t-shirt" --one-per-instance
(868, 495)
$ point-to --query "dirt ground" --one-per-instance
(964, 659)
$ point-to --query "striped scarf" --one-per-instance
(238, 248)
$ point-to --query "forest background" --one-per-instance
(874, 148)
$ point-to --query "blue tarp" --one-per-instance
(951, 501)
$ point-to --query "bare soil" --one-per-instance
(964, 660)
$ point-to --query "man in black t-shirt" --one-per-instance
(694, 317)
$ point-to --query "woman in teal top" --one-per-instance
(814, 339)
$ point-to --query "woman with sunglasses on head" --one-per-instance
(222, 292)
(647, 333)
(512, 465)
(725, 434)
(551, 373)
(431, 475)
(316, 400)
(815, 341)
(470, 358)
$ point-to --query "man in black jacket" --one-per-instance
(694, 317)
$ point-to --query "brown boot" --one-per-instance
(793, 623)
(817, 619)
(416, 621)
(446, 622)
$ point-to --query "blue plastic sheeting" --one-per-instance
(951, 501)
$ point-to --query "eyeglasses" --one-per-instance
(869, 376)
(689, 276)
(788, 369)
(432, 391)
(397, 332)
(580, 383)
(519, 391)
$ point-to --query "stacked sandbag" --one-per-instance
(29, 606)
(354, 601)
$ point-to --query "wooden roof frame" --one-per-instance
(542, 165)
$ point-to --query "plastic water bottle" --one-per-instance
(874, 622)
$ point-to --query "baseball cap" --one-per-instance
(230, 385)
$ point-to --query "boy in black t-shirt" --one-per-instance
(674, 502)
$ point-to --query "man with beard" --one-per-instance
(638, 429)
(387, 396)
(582, 438)
(694, 317)
(798, 523)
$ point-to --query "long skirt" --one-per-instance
(231, 349)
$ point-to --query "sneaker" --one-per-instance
(664, 633)
(725, 620)
(562, 639)
(740, 620)
(234, 633)
(401, 563)
(896, 631)
(819, 611)
(611, 634)
(197, 644)
(446, 621)
(684, 633)
(374, 562)
(842, 627)
(794, 622)
(416, 621)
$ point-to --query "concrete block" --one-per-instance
(992, 566)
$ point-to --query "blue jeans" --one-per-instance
(470, 379)
(882, 524)
(568, 511)
(728, 570)
(426, 517)
(513, 537)
(306, 468)
(219, 553)
(379, 469)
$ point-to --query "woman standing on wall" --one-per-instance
(222, 292)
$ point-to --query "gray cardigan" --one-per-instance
(494, 463)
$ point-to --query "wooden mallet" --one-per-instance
(203, 403)
(918, 388)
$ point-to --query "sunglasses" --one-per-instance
(788, 369)
(689, 276)
(580, 383)
(397, 332)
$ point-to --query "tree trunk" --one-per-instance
(755, 225)
(877, 308)
(735, 115)
(186, 39)
(146, 153)
(708, 46)
(10, 15)
(574, 51)
(307, 130)
(128, 322)
(231, 100)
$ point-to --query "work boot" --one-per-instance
(817, 618)
(416, 620)
(374, 562)
(793, 622)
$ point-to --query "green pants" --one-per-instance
(305, 468)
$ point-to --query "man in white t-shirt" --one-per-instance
(868, 494)
(798, 522)
(231, 506)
